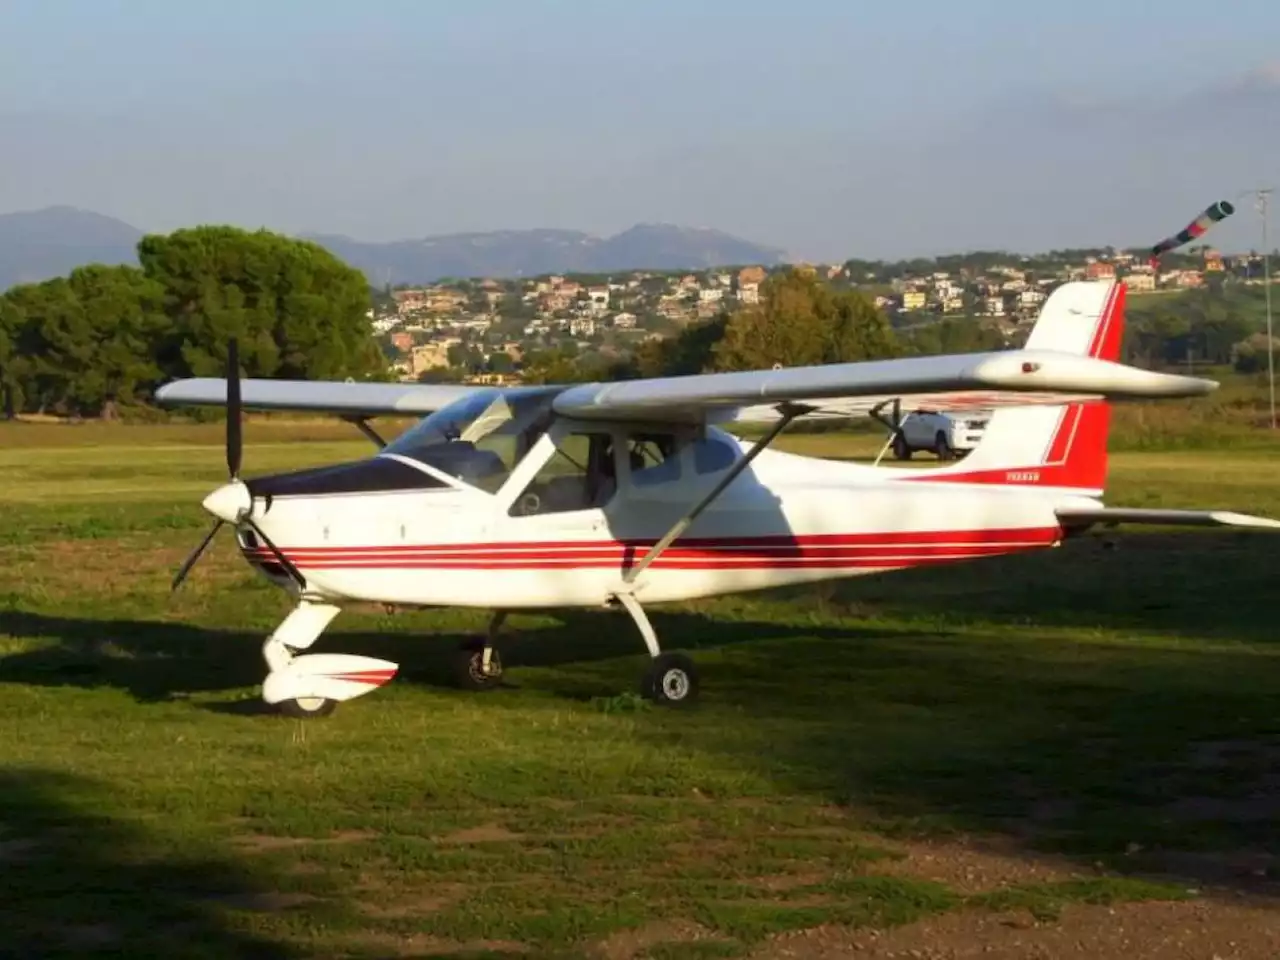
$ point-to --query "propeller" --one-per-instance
(234, 498)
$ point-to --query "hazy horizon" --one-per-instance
(823, 130)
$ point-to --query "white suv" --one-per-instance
(947, 435)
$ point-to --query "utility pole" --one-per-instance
(1264, 195)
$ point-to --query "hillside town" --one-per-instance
(486, 327)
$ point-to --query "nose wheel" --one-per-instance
(307, 708)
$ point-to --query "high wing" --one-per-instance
(957, 382)
(1110, 516)
(346, 398)
(954, 382)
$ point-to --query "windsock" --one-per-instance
(1197, 227)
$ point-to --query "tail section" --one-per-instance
(1054, 446)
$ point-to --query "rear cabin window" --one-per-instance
(711, 455)
(654, 459)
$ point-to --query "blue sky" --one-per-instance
(827, 127)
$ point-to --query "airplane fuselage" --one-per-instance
(786, 520)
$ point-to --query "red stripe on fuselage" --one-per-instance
(824, 551)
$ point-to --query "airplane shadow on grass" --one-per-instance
(158, 660)
(74, 882)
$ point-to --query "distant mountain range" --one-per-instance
(39, 244)
(517, 253)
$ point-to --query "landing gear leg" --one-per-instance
(314, 685)
(477, 665)
(671, 678)
(299, 630)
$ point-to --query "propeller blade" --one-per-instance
(234, 437)
(280, 557)
(195, 555)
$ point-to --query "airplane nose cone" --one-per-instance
(229, 502)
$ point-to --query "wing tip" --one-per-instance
(1230, 518)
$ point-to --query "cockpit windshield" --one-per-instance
(479, 438)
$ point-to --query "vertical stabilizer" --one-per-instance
(1053, 446)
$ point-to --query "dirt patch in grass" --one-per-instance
(266, 902)
(1136, 931)
(970, 866)
(424, 945)
(782, 882)
(265, 842)
(485, 833)
(401, 908)
(631, 944)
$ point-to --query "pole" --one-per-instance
(1263, 197)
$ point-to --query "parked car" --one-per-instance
(946, 435)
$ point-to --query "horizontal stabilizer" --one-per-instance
(1194, 518)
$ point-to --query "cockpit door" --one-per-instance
(565, 482)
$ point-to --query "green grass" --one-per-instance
(1113, 707)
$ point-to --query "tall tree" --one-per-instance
(296, 309)
(801, 321)
(84, 343)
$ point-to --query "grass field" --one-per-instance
(1001, 753)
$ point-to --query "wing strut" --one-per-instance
(788, 412)
(362, 425)
(894, 426)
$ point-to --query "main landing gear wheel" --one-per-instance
(900, 449)
(306, 708)
(470, 669)
(671, 680)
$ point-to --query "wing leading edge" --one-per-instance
(322, 396)
(959, 381)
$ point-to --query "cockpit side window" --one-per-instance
(480, 438)
(580, 475)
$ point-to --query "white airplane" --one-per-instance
(625, 494)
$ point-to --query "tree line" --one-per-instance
(802, 320)
(105, 337)
(799, 320)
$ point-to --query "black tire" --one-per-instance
(671, 680)
(900, 449)
(468, 667)
(307, 710)
(942, 448)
